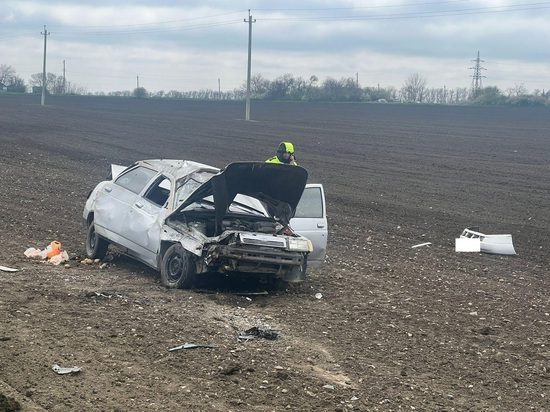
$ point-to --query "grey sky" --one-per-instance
(189, 45)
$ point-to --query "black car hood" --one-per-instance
(280, 187)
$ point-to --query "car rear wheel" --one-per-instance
(96, 246)
(177, 269)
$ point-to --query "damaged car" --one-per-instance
(185, 218)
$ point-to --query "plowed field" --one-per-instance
(396, 328)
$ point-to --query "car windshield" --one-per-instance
(188, 184)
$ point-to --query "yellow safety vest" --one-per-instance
(274, 159)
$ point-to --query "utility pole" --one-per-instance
(249, 21)
(64, 79)
(42, 100)
(357, 79)
(477, 76)
(137, 81)
(219, 89)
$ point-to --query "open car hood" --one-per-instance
(280, 187)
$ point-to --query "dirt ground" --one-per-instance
(396, 328)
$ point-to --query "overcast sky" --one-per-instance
(188, 45)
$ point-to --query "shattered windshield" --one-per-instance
(187, 185)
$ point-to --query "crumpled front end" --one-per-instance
(279, 255)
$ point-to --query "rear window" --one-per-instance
(311, 204)
(136, 179)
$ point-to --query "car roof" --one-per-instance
(176, 168)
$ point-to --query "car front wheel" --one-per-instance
(177, 269)
(96, 247)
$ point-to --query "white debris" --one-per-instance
(464, 244)
(495, 244)
(318, 295)
(64, 371)
(7, 269)
(421, 244)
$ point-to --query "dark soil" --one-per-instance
(396, 328)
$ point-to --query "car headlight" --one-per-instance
(300, 245)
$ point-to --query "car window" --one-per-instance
(311, 204)
(189, 184)
(136, 179)
(159, 192)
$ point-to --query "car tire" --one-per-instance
(177, 269)
(297, 274)
(96, 246)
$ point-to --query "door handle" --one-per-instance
(139, 205)
(320, 225)
(108, 189)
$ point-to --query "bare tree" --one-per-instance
(36, 80)
(414, 89)
(7, 73)
(517, 90)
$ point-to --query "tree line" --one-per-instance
(55, 84)
(295, 88)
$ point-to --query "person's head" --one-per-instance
(285, 152)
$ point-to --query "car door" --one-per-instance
(113, 205)
(310, 221)
(146, 218)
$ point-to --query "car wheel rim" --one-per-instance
(175, 268)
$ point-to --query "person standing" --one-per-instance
(285, 155)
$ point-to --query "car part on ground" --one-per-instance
(474, 241)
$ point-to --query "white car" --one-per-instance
(185, 218)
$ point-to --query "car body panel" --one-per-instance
(310, 221)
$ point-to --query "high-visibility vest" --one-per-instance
(274, 159)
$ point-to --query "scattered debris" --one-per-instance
(190, 346)
(253, 293)
(465, 244)
(87, 261)
(65, 371)
(318, 295)
(328, 386)
(105, 295)
(7, 269)
(255, 332)
(53, 253)
(103, 265)
(4, 338)
(421, 245)
(494, 244)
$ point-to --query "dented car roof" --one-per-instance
(177, 168)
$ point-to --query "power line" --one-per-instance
(162, 22)
(422, 14)
(147, 31)
(392, 16)
(381, 6)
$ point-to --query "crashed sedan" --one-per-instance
(185, 218)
